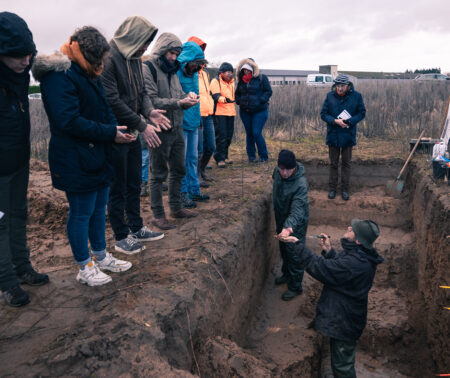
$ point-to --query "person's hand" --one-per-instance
(150, 136)
(193, 95)
(286, 232)
(189, 102)
(222, 100)
(157, 117)
(123, 137)
(340, 122)
(324, 242)
(286, 239)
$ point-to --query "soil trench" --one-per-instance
(202, 300)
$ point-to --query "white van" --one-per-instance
(319, 80)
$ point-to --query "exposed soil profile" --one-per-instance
(202, 301)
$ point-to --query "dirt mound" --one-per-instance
(203, 299)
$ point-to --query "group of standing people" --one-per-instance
(100, 96)
(104, 103)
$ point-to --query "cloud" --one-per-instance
(300, 34)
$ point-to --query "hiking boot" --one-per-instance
(145, 234)
(33, 278)
(280, 280)
(205, 176)
(163, 224)
(112, 264)
(332, 194)
(187, 202)
(144, 189)
(345, 195)
(228, 161)
(199, 197)
(165, 188)
(15, 296)
(221, 164)
(203, 183)
(183, 213)
(289, 294)
(91, 275)
(208, 167)
(130, 245)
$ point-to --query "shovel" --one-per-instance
(395, 187)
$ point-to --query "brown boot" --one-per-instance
(163, 224)
(183, 213)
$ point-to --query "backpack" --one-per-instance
(152, 70)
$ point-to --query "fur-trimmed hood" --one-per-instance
(250, 62)
(45, 64)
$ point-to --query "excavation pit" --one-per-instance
(202, 301)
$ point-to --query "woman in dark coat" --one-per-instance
(253, 92)
(342, 109)
(82, 129)
(17, 52)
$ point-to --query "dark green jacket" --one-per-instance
(290, 202)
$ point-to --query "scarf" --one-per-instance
(14, 83)
(73, 52)
(168, 68)
(246, 78)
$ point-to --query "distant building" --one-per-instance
(330, 69)
(296, 77)
(286, 77)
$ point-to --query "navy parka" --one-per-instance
(82, 129)
(332, 107)
(254, 96)
(15, 40)
(347, 277)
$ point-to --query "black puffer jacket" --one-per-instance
(254, 96)
(347, 277)
(15, 40)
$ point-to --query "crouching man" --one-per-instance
(347, 276)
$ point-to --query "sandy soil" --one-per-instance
(184, 308)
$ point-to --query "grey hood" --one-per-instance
(132, 34)
(164, 43)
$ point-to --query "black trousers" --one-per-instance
(167, 160)
(291, 268)
(346, 153)
(224, 129)
(14, 253)
(124, 196)
(343, 358)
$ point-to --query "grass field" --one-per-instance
(397, 110)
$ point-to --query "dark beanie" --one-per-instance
(225, 67)
(287, 159)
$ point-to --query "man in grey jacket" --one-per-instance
(290, 203)
(164, 89)
(125, 90)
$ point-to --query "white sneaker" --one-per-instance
(112, 264)
(92, 276)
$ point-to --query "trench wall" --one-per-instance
(430, 207)
(224, 303)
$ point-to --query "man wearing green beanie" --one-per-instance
(347, 277)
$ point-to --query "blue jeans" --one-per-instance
(206, 137)
(145, 164)
(86, 222)
(254, 124)
(190, 183)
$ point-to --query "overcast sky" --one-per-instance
(357, 35)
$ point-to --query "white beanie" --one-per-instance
(247, 67)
